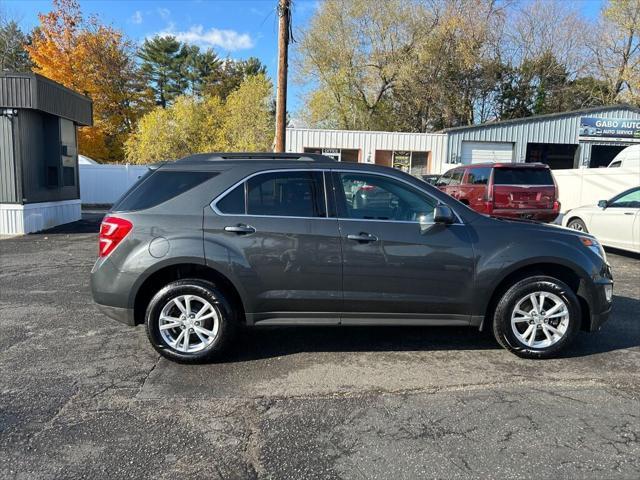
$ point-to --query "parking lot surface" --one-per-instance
(83, 396)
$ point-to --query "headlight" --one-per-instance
(593, 245)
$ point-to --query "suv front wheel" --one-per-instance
(538, 317)
(190, 321)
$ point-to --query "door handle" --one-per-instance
(240, 229)
(629, 213)
(362, 237)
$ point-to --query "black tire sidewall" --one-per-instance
(502, 320)
(201, 288)
(579, 221)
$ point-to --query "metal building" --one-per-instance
(39, 185)
(417, 153)
(581, 138)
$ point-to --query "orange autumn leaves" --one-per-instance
(96, 60)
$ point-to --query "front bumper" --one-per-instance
(598, 293)
(123, 315)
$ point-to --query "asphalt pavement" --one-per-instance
(82, 396)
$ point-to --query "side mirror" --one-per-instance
(603, 204)
(443, 214)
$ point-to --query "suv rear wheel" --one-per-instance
(538, 317)
(190, 321)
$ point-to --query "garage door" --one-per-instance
(478, 152)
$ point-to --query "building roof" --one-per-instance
(200, 158)
(535, 118)
(33, 91)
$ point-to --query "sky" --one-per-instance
(235, 28)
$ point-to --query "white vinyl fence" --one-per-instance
(104, 184)
(586, 186)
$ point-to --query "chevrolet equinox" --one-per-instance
(204, 245)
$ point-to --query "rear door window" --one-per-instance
(522, 176)
(286, 194)
(158, 187)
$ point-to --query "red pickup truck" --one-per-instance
(511, 190)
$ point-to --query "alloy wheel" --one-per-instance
(540, 319)
(189, 323)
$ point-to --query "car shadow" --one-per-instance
(622, 253)
(267, 342)
(622, 331)
(90, 223)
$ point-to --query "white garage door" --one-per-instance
(478, 152)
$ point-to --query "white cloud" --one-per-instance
(137, 17)
(214, 37)
(164, 13)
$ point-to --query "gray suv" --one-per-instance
(204, 245)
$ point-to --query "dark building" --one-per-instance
(39, 185)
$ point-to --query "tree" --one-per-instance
(203, 124)
(200, 69)
(13, 56)
(231, 75)
(162, 65)
(96, 60)
(353, 52)
(248, 120)
(616, 52)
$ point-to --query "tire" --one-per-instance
(183, 339)
(577, 224)
(540, 342)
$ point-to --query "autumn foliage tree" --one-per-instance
(96, 60)
(194, 124)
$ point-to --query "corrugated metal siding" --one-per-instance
(39, 93)
(368, 142)
(544, 130)
(63, 103)
(8, 190)
(16, 92)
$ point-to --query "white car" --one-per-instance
(615, 222)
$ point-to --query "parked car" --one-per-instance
(509, 190)
(203, 245)
(627, 158)
(614, 222)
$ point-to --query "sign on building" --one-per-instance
(592, 128)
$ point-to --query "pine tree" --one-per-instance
(162, 64)
(13, 56)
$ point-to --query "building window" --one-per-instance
(414, 162)
(338, 154)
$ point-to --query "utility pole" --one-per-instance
(284, 30)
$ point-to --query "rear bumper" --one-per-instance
(546, 216)
(123, 315)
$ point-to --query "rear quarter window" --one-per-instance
(479, 176)
(522, 176)
(158, 187)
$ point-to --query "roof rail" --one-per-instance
(221, 156)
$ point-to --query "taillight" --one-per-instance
(112, 231)
(556, 206)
